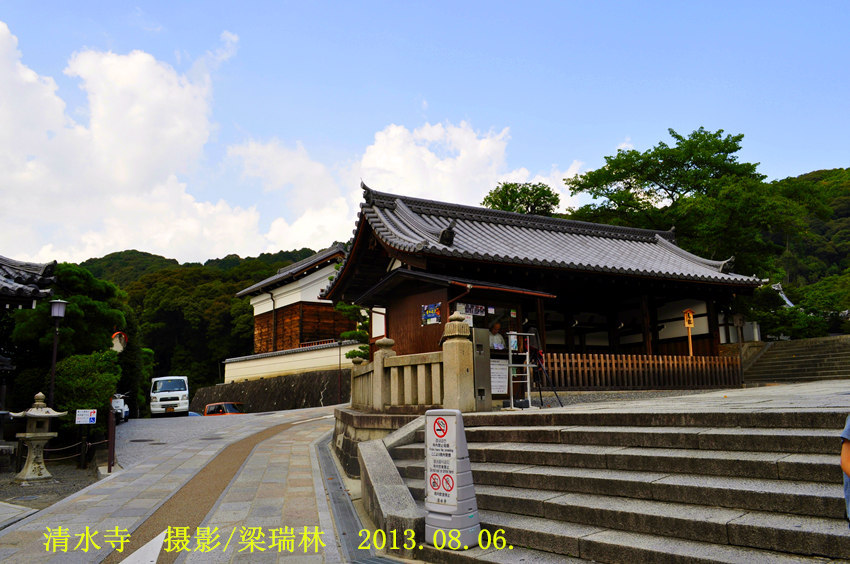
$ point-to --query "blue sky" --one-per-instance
(280, 108)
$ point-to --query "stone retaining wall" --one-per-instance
(293, 391)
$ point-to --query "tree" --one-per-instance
(93, 313)
(719, 206)
(639, 184)
(360, 333)
(86, 382)
(529, 198)
(96, 309)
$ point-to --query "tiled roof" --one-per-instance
(427, 227)
(287, 272)
(25, 279)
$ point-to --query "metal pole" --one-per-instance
(110, 436)
(53, 366)
(339, 375)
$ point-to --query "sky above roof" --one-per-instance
(198, 129)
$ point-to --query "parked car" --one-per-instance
(169, 395)
(224, 408)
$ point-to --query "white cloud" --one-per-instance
(116, 177)
(109, 184)
(626, 145)
(447, 162)
(279, 168)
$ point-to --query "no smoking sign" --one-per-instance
(440, 427)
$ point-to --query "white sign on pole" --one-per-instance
(498, 376)
(86, 417)
(441, 447)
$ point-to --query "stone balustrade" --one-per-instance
(414, 383)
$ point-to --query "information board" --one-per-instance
(86, 417)
(431, 314)
(498, 376)
(441, 457)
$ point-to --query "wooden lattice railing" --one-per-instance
(607, 371)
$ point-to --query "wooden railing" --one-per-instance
(623, 372)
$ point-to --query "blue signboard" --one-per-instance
(431, 314)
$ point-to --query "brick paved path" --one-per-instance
(279, 473)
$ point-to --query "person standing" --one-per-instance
(845, 466)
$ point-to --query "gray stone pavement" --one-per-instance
(127, 498)
(824, 395)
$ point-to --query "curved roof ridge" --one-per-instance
(414, 222)
(677, 250)
(384, 199)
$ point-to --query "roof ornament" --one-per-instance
(447, 235)
(367, 193)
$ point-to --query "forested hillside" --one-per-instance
(180, 319)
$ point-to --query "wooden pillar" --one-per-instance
(653, 326)
(569, 331)
(613, 331)
(541, 324)
(646, 321)
(713, 326)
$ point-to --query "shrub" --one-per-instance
(86, 382)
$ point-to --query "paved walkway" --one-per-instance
(281, 470)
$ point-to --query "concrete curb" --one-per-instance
(385, 495)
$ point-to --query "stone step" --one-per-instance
(815, 441)
(808, 542)
(800, 418)
(809, 359)
(755, 494)
(778, 466)
(803, 368)
(791, 377)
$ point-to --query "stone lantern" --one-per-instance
(36, 436)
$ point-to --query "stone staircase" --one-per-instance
(653, 486)
(806, 359)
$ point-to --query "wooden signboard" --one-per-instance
(689, 323)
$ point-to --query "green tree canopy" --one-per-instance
(529, 198)
(719, 206)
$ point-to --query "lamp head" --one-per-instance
(57, 308)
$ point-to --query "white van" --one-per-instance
(169, 394)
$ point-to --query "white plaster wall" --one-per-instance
(294, 363)
(303, 290)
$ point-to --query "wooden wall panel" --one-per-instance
(404, 322)
(299, 323)
(263, 333)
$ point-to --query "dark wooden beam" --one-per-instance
(646, 319)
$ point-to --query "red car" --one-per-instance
(224, 408)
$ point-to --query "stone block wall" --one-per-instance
(293, 391)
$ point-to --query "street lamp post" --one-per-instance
(57, 312)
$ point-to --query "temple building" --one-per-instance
(586, 289)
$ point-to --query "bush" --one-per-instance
(86, 382)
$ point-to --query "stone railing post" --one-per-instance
(381, 374)
(458, 378)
